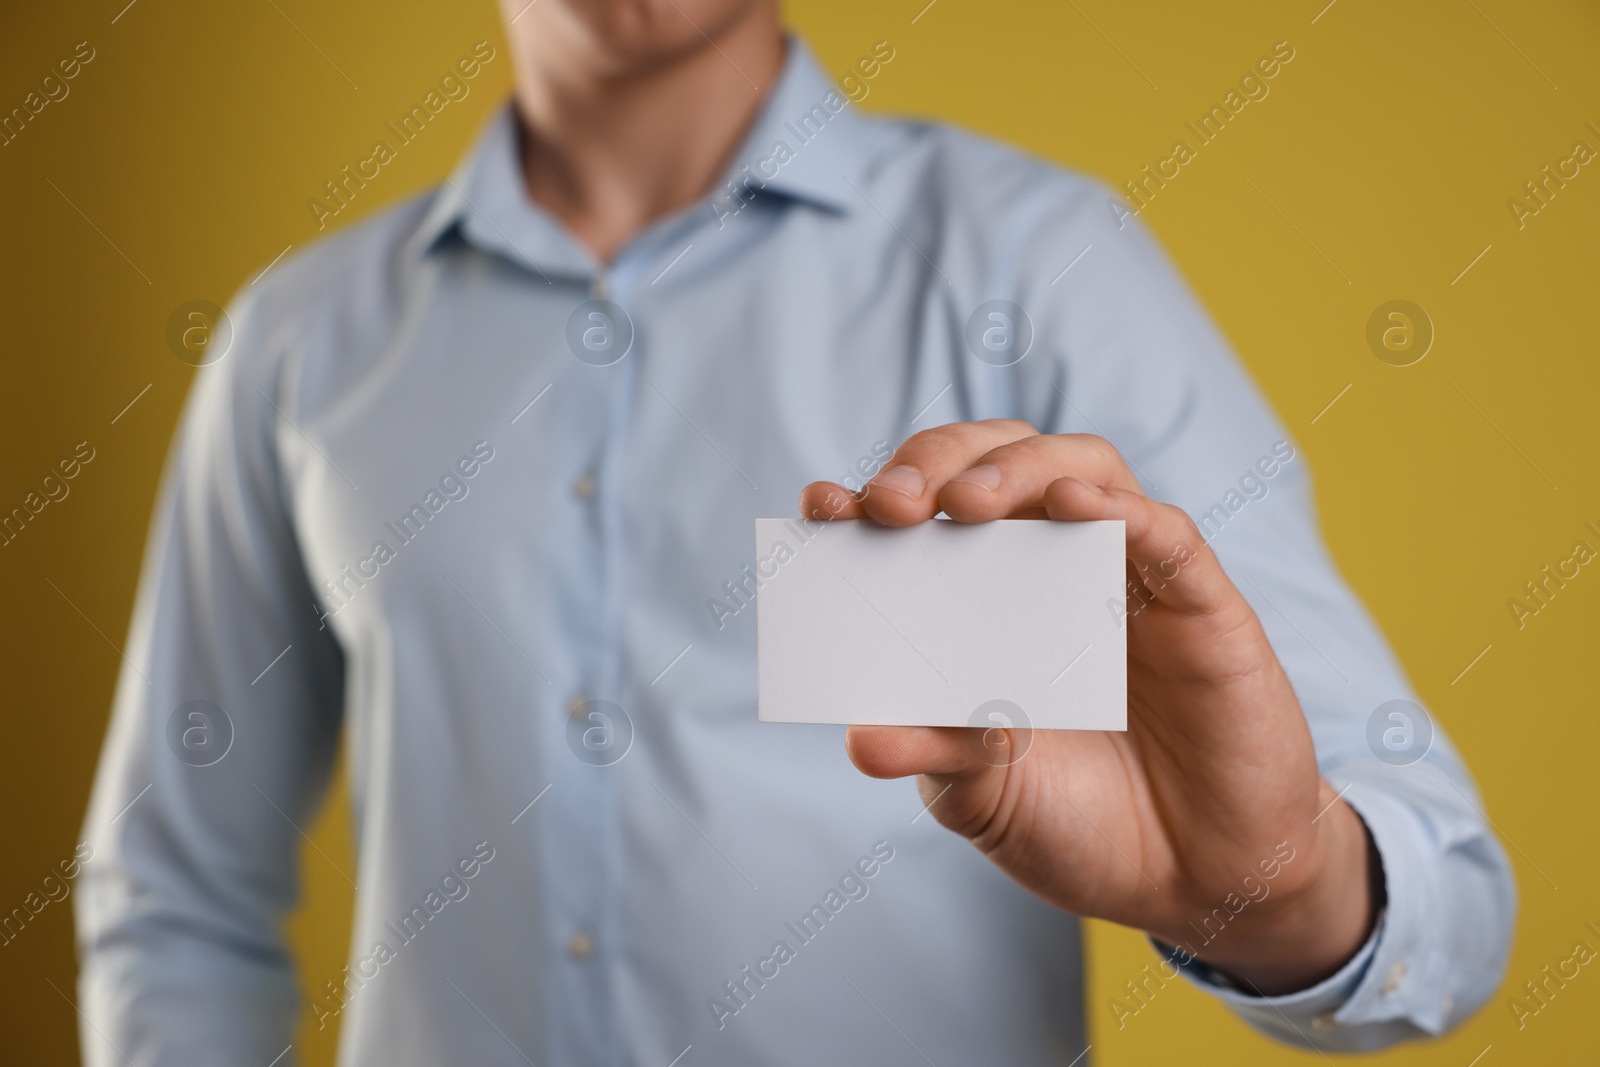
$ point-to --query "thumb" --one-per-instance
(898, 751)
(961, 769)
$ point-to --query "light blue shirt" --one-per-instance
(436, 502)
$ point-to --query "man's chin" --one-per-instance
(627, 38)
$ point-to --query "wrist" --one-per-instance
(1300, 928)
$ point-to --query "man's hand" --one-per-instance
(1215, 781)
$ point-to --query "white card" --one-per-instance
(926, 625)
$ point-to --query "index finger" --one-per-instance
(906, 491)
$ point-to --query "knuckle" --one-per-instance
(961, 439)
(1099, 448)
(1026, 448)
(935, 439)
(1180, 523)
(1019, 426)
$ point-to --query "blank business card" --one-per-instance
(926, 625)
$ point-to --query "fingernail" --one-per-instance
(902, 479)
(986, 476)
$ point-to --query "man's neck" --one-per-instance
(608, 154)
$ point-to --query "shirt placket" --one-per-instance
(588, 731)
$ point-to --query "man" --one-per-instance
(474, 486)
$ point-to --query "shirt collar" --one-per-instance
(806, 144)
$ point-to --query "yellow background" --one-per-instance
(1382, 162)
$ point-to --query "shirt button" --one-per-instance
(584, 487)
(598, 289)
(1396, 975)
(580, 945)
(576, 705)
(1323, 1021)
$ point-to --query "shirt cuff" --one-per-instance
(1310, 1009)
(1397, 986)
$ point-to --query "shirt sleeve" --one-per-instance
(1125, 351)
(221, 739)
